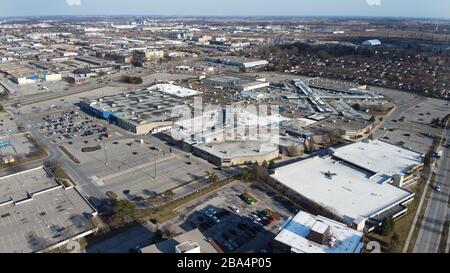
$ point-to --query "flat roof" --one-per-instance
(192, 237)
(346, 191)
(296, 231)
(138, 107)
(233, 81)
(18, 186)
(174, 90)
(48, 216)
(232, 149)
(379, 157)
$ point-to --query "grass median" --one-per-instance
(69, 154)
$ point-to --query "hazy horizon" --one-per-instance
(229, 8)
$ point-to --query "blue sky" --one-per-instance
(403, 8)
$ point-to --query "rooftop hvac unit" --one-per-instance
(332, 241)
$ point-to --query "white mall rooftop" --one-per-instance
(350, 193)
(296, 231)
(174, 90)
(379, 157)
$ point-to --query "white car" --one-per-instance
(209, 214)
(213, 211)
(437, 188)
(256, 217)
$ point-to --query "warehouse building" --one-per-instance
(306, 233)
(37, 213)
(355, 196)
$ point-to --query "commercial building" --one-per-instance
(23, 74)
(382, 159)
(357, 197)
(236, 83)
(242, 63)
(190, 242)
(306, 233)
(37, 213)
(347, 128)
(148, 55)
(373, 42)
(141, 111)
(236, 152)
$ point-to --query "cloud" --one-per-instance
(374, 2)
(73, 2)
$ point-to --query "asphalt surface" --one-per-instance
(396, 114)
(89, 190)
(437, 211)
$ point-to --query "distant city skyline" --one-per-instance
(351, 8)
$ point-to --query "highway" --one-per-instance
(437, 211)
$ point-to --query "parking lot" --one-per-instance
(234, 224)
(412, 129)
(136, 168)
(13, 141)
(70, 126)
(34, 88)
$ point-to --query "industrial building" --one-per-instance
(236, 83)
(140, 111)
(359, 198)
(306, 233)
(236, 152)
(190, 242)
(37, 213)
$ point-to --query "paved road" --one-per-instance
(437, 211)
(396, 114)
(84, 184)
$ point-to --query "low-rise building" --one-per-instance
(237, 83)
(357, 197)
(190, 242)
(382, 159)
(141, 111)
(306, 233)
(37, 213)
(236, 152)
